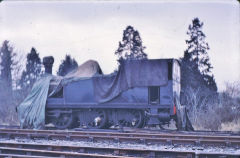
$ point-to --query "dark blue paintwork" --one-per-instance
(81, 94)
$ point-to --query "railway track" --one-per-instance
(43, 150)
(119, 137)
(148, 138)
(142, 130)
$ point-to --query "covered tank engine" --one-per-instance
(140, 93)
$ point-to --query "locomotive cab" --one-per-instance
(165, 97)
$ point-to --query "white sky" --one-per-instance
(92, 30)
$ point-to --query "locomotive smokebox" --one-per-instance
(48, 64)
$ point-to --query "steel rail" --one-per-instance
(124, 137)
(130, 134)
(22, 156)
(137, 130)
(75, 151)
(48, 153)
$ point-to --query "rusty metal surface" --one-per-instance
(131, 137)
(78, 151)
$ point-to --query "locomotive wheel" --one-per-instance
(64, 121)
(137, 121)
(97, 119)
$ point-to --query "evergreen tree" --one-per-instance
(32, 71)
(131, 46)
(67, 65)
(6, 62)
(197, 55)
(190, 74)
(196, 75)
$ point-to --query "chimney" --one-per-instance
(48, 63)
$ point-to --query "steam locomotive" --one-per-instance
(141, 93)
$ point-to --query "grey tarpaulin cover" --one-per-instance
(31, 112)
(85, 71)
(132, 73)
